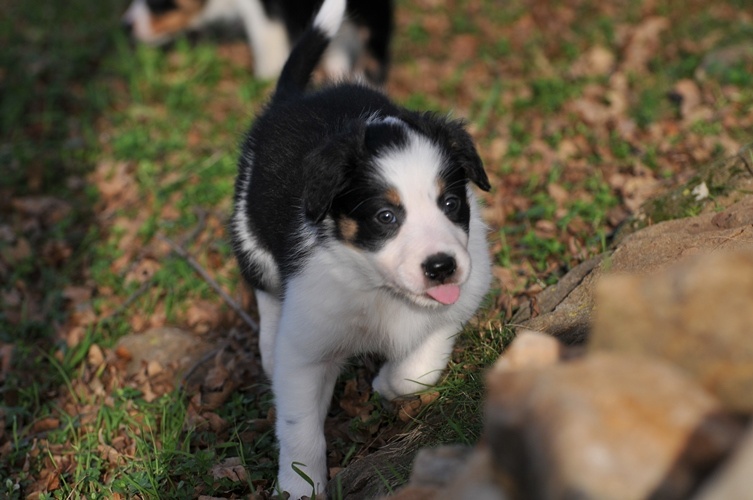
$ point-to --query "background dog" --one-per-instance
(356, 225)
(361, 46)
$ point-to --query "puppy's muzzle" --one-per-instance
(439, 267)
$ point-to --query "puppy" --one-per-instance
(355, 223)
(361, 46)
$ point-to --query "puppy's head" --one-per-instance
(397, 191)
(158, 21)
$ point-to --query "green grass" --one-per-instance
(78, 105)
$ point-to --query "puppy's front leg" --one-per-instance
(269, 317)
(420, 369)
(303, 390)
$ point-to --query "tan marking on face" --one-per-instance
(178, 19)
(348, 228)
(441, 185)
(393, 197)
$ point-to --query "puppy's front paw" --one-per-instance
(381, 386)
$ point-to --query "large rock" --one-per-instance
(454, 472)
(733, 479)
(172, 348)
(698, 314)
(604, 426)
(565, 309)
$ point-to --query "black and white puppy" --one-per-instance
(356, 225)
(361, 46)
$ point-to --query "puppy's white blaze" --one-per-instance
(330, 17)
(414, 172)
(249, 244)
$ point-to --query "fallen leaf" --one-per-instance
(46, 424)
(230, 468)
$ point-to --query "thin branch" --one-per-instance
(130, 300)
(180, 251)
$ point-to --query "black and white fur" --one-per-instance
(360, 48)
(356, 225)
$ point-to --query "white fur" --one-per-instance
(139, 18)
(426, 231)
(330, 17)
(249, 244)
(347, 301)
(269, 39)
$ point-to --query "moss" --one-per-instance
(727, 181)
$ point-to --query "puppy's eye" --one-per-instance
(386, 217)
(451, 204)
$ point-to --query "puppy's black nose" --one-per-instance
(439, 267)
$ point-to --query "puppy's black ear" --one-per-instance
(452, 134)
(327, 168)
(465, 153)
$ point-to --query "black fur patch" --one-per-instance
(161, 6)
(370, 204)
(453, 191)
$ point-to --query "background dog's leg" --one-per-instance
(269, 318)
(303, 390)
(268, 38)
(420, 369)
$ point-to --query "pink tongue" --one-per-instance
(446, 294)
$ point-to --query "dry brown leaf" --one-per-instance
(217, 385)
(47, 208)
(597, 61)
(6, 360)
(95, 357)
(21, 250)
(689, 95)
(643, 43)
(355, 402)
(143, 271)
(204, 315)
(46, 424)
(78, 294)
(231, 468)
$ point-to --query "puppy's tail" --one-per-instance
(308, 50)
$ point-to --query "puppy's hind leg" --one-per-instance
(269, 318)
(420, 369)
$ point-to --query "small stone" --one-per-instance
(530, 349)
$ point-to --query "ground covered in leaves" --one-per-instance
(116, 174)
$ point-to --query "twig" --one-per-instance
(180, 251)
(206, 357)
(201, 214)
(742, 155)
(130, 300)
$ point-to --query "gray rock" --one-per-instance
(605, 426)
